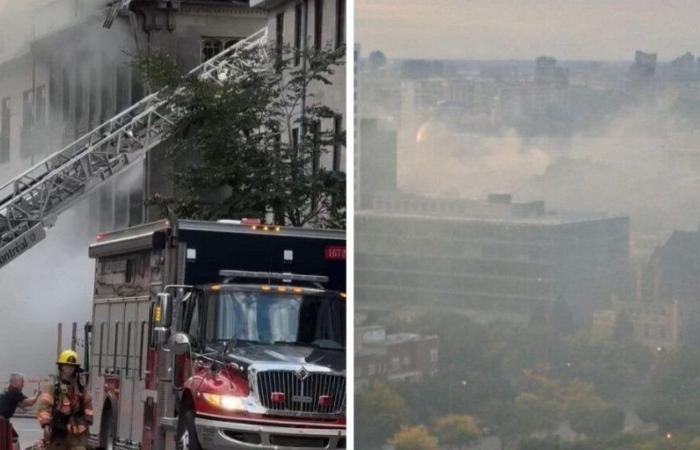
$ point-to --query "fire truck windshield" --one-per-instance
(269, 318)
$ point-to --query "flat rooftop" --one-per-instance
(498, 208)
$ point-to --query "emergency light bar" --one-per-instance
(273, 276)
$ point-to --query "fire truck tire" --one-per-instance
(186, 432)
(107, 429)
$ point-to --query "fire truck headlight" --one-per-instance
(227, 402)
(231, 403)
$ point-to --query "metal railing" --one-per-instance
(33, 199)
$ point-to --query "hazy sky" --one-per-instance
(525, 29)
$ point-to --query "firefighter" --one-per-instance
(65, 408)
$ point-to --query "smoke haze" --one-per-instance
(53, 281)
(641, 163)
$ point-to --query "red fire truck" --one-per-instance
(218, 336)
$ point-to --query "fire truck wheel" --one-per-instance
(107, 429)
(186, 432)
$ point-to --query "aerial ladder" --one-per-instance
(31, 201)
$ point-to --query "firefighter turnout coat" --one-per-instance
(67, 408)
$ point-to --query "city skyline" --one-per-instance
(522, 30)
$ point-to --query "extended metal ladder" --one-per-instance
(32, 200)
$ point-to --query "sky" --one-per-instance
(525, 29)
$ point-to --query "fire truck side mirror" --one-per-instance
(163, 313)
(179, 344)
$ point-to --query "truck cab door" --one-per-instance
(189, 324)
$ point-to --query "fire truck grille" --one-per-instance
(288, 391)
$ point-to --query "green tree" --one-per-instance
(380, 412)
(377, 59)
(251, 144)
(457, 431)
(414, 438)
(515, 420)
(592, 416)
(674, 399)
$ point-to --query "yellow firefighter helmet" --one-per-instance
(68, 357)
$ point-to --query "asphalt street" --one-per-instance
(28, 430)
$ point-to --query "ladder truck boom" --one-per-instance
(31, 201)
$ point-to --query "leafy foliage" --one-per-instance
(457, 431)
(251, 144)
(385, 413)
(414, 438)
(519, 381)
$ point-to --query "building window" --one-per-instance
(53, 90)
(295, 139)
(121, 205)
(212, 46)
(106, 94)
(396, 363)
(406, 361)
(122, 88)
(433, 355)
(92, 99)
(339, 23)
(337, 142)
(78, 95)
(137, 91)
(5, 130)
(41, 105)
(65, 80)
(298, 15)
(136, 205)
(279, 37)
(27, 143)
(371, 369)
(318, 25)
(28, 109)
(316, 161)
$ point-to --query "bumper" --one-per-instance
(220, 435)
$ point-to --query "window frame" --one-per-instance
(298, 25)
(318, 25)
(339, 23)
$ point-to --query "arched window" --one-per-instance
(212, 46)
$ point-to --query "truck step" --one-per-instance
(169, 423)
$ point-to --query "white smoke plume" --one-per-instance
(644, 163)
(53, 281)
(467, 164)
